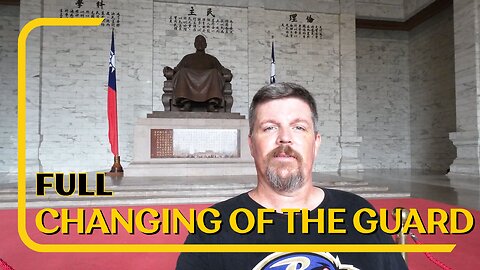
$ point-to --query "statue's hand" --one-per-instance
(168, 72)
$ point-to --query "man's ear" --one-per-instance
(318, 141)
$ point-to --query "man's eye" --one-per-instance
(301, 128)
(268, 128)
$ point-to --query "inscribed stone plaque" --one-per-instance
(161, 143)
(195, 143)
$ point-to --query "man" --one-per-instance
(199, 77)
(284, 142)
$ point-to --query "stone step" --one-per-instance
(168, 194)
(175, 190)
(164, 198)
(182, 186)
(184, 190)
(127, 201)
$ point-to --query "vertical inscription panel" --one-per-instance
(161, 145)
(195, 143)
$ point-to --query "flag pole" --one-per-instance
(272, 67)
(117, 169)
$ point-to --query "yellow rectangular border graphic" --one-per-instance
(22, 231)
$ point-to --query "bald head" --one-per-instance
(200, 43)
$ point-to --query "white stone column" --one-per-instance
(30, 10)
(9, 15)
(467, 86)
(257, 48)
(349, 139)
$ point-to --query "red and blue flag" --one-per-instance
(112, 101)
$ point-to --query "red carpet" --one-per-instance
(17, 255)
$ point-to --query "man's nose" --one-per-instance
(284, 136)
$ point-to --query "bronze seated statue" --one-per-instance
(198, 83)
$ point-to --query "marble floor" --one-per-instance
(452, 189)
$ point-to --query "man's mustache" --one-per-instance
(284, 150)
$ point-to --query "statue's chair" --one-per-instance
(169, 102)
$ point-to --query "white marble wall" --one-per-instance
(67, 78)
(383, 98)
(30, 10)
(411, 7)
(70, 96)
(467, 86)
(391, 10)
(67, 73)
(8, 86)
(432, 93)
(313, 63)
(349, 139)
(406, 96)
(380, 9)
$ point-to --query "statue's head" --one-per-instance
(200, 43)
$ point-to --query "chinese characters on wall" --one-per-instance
(297, 27)
(201, 21)
(112, 19)
(80, 3)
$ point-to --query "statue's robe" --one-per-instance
(198, 77)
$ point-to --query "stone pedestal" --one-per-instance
(467, 161)
(191, 144)
(350, 160)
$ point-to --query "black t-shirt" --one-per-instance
(277, 233)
